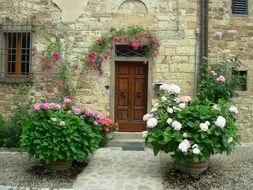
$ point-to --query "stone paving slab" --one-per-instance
(112, 168)
(6, 187)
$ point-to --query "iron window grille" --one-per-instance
(123, 50)
(15, 51)
(240, 7)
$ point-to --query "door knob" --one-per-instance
(122, 93)
(139, 93)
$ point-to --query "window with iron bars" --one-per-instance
(15, 51)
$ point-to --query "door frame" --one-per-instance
(112, 83)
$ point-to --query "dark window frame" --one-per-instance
(240, 7)
(15, 51)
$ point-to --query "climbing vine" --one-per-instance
(135, 36)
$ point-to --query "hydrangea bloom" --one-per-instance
(152, 122)
(163, 98)
(75, 110)
(184, 145)
(174, 89)
(185, 99)
(53, 119)
(169, 121)
(196, 151)
(153, 110)
(169, 110)
(203, 126)
(89, 112)
(62, 123)
(182, 105)
(147, 116)
(67, 100)
(57, 106)
(176, 125)
(144, 134)
(233, 109)
(216, 107)
(47, 106)
(36, 107)
(207, 123)
(220, 122)
(100, 116)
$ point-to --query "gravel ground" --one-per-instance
(17, 170)
(224, 173)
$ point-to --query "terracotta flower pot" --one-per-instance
(193, 168)
(59, 165)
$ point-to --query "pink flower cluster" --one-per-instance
(75, 110)
(185, 99)
(184, 145)
(221, 79)
(46, 106)
(89, 112)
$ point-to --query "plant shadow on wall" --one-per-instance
(134, 36)
(193, 130)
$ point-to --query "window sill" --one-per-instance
(16, 80)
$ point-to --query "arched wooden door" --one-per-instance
(131, 81)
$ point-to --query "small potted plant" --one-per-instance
(192, 130)
(56, 135)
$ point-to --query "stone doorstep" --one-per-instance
(126, 142)
(127, 135)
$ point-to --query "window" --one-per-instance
(240, 7)
(15, 52)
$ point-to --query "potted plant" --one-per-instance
(192, 130)
(56, 135)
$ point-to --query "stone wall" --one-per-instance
(232, 35)
(173, 22)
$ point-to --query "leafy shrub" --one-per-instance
(190, 129)
(2, 133)
(53, 132)
(218, 81)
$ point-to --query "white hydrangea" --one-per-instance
(184, 145)
(170, 110)
(220, 122)
(174, 89)
(182, 105)
(216, 107)
(153, 110)
(196, 151)
(233, 109)
(203, 126)
(163, 98)
(144, 134)
(152, 122)
(207, 123)
(195, 146)
(230, 139)
(169, 121)
(185, 135)
(176, 125)
(147, 116)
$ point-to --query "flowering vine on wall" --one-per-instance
(135, 36)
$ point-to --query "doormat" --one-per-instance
(132, 148)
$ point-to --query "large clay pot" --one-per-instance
(59, 165)
(193, 167)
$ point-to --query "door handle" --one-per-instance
(139, 93)
(122, 93)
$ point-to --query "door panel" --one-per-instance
(130, 95)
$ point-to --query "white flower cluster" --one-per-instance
(170, 88)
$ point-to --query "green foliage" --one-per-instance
(181, 121)
(51, 134)
(212, 88)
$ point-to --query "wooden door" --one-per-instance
(131, 79)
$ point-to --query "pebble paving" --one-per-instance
(114, 169)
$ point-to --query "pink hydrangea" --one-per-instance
(62, 123)
(234, 110)
(36, 107)
(57, 106)
(75, 110)
(67, 100)
(185, 99)
(47, 106)
(89, 112)
(100, 116)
